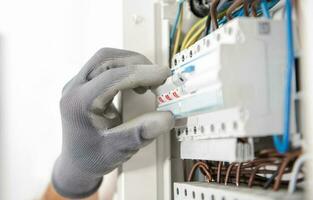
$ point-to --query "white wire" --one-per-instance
(278, 8)
(295, 171)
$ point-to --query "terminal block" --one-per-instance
(228, 150)
(211, 191)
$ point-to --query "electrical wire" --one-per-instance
(209, 20)
(282, 144)
(208, 25)
(173, 31)
(233, 7)
(195, 37)
(221, 18)
(194, 28)
(265, 10)
(238, 174)
(204, 169)
(190, 36)
(219, 167)
(256, 169)
(270, 180)
(213, 13)
(230, 167)
(295, 171)
(178, 32)
(289, 157)
(251, 173)
(246, 7)
(254, 8)
(203, 25)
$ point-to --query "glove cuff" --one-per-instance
(73, 183)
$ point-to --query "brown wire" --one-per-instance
(210, 170)
(259, 161)
(232, 8)
(213, 13)
(228, 172)
(219, 168)
(252, 176)
(283, 166)
(254, 4)
(250, 172)
(194, 167)
(270, 153)
(246, 7)
(267, 152)
(238, 174)
(204, 167)
(206, 173)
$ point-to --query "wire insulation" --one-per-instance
(282, 144)
(295, 172)
(194, 28)
(173, 31)
(265, 9)
(178, 33)
(195, 36)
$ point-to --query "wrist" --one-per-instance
(71, 182)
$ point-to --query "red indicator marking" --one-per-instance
(161, 100)
(168, 97)
(175, 94)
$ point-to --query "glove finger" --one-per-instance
(106, 119)
(110, 82)
(140, 131)
(108, 58)
(124, 58)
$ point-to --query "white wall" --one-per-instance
(43, 44)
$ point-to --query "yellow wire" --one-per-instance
(195, 36)
(178, 33)
(221, 14)
(192, 37)
(191, 31)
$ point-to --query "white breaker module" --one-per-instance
(230, 83)
(229, 150)
(203, 191)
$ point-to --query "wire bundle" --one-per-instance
(268, 169)
(215, 19)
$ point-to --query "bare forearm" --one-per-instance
(51, 194)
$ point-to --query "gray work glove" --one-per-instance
(94, 140)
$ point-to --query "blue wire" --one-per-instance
(265, 10)
(282, 145)
(241, 12)
(173, 31)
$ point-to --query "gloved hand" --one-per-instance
(94, 141)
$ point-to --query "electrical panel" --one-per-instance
(236, 92)
(232, 95)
